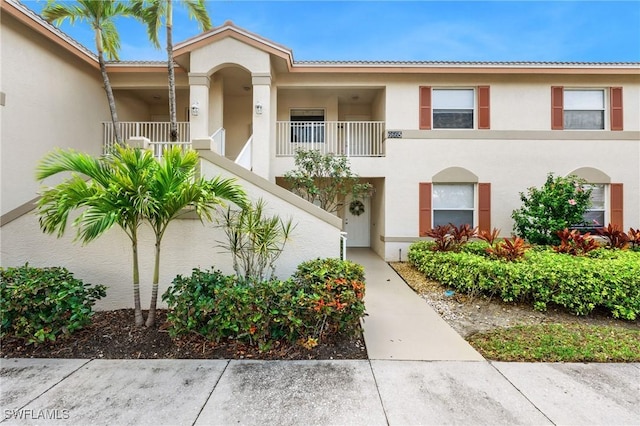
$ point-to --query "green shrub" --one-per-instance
(39, 304)
(608, 279)
(322, 300)
(561, 203)
(336, 290)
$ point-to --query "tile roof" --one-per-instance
(465, 63)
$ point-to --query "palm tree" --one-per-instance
(152, 13)
(173, 189)
(115, 193)
(128, 188)
(100, 14)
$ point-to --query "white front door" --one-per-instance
(357, 226)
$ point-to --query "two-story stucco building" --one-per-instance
(439, 141)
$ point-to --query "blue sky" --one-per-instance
(600, 31)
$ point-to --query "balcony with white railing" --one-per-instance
(158, 134)
(348, 138)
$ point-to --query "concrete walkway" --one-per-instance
(399, 324)
(420, 372)
(207, 392)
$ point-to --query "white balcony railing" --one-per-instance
(156, 132)
(349, 138)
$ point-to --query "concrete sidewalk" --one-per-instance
(399, 324)
(204, 392)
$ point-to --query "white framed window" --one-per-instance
(307, 125)
(584, 109)
(453, 108)
(595, 216)
(453, 203)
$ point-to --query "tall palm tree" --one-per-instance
(153, 13)
(100, 14)
(174, 188)
(115, 193)
(128, 188)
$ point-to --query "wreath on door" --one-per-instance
(356, 207)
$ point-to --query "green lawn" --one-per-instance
(559, 343)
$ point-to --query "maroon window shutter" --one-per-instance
(484, 207)
(483, 108)
(425, 208)
(425, 108)
(616, 108)
(616, 204)
(557, 108)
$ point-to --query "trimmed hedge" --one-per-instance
(39, 304)
(323, 299)
(603, 278)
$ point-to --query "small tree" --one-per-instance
(255, 240)
(325, 179)
(561, 203)
(128, 188)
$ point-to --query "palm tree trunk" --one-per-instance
(173, 127)
(139, 320)
(154, 291)
(108, 89)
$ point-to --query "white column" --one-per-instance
(199, 95)
(262, 119)
(216, 104)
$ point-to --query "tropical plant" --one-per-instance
(574, 243)
(153, 13)
(450, 237)
(615, 236)
(172, 188)
(325, 179)
(255, 240)
(634, 238)
(115, 193)
(101, 15)
(489, 237)
(128, 188)
(560, 203)
(508, 249)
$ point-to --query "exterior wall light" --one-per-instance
(258, 108)
(195, 109)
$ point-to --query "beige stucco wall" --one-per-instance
(130, 107)
(511, 166)
(53, 99)
(209, 58)
(237, 127)
(518, 102)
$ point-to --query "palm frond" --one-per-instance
(198, 11)
(59, 161)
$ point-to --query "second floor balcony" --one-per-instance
(348, 138)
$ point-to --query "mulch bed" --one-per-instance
(113, 335)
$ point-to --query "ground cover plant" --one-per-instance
(44, 304)
(560, 343)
